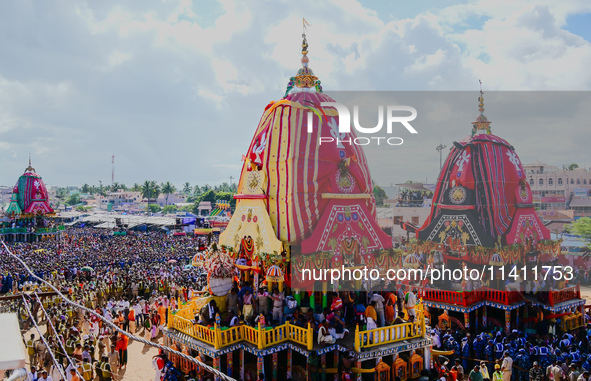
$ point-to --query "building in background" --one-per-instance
(556, 188)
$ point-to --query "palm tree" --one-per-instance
(187, 188)
(150, 190)
(136, 187)
(155, 189)
(146, 193)
(61, 193)
(167, 189)
(86, 188)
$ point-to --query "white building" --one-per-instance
(122, 197)
(173, 198)
(555, 188)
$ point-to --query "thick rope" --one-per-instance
(57, 338)
(59, 368)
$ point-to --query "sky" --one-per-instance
(175, 88)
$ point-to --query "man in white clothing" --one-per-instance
(45, 377)
(410, 301)
(32, 374)
(379, 299)
(324, 337)
(507, 367)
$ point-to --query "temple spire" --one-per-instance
(30, 168)
(481, 124)
(305, 58)
(304, 80)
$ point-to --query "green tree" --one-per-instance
(581, 227)
(156, 189)
(210, 196)
(150, 190)
(61, 193)
(226, 196)
(187, 189)
(170, 209)
(570, 167)
(117, 186)
(379, 194)
(86, 188)
(153, 208)
(168, 189)
(187, 208)
(136, 188)
(73, 199)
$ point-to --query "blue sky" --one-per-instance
(174, 89)
(580, 24)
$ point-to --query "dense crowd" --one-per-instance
(547, 355)
(413, 198)
(132, 281)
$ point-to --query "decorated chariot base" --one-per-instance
(290, 348)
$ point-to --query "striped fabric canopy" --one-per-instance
(299, 168)
(31, 194)
(483, 177)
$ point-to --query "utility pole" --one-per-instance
(112, 170)
(440, 148)
(148, 206)
(100, 194)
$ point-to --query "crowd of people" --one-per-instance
(132, 281)
(547, 355)
(413, 198)
(344, 310)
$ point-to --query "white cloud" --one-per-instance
(211, 96)
(106, 78)
(117, 58)
(427, 61)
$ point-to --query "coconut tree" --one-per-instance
(150, 189)
(168, 189)
(187, 188)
